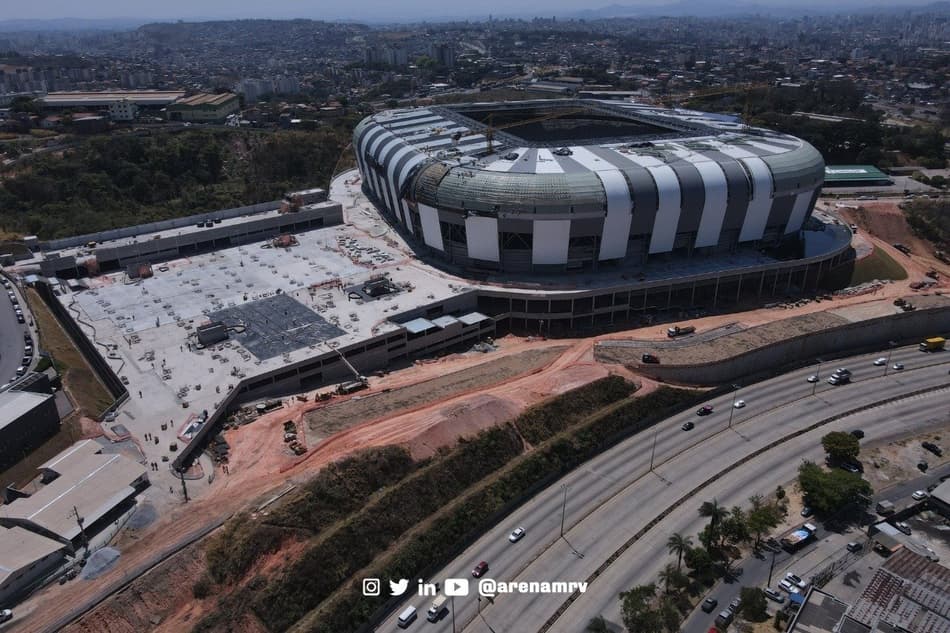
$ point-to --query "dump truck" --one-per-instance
(933, 344)
(799, 537)
(680, 331)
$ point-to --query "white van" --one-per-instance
(438, 606)
(407, 616)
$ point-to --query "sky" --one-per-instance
(359, 10)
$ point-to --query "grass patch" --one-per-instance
(38, 133)
(79, 380)
(877, 265)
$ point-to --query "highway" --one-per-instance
(11, 335)
(611, 497)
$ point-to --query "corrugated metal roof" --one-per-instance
(418, 326)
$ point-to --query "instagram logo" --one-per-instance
(371, 587)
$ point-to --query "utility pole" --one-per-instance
(732, 409)
(453, 614)
(814, 386)
(82, 530)
(563, 508)
(653, 452)
(887, 363)
(184, 488)
(771, 568)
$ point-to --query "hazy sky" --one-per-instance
(399, 10)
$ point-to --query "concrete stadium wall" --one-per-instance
(904, 328)
(153, 227)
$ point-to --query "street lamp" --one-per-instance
(563, 508)
(814, 386)
(732, 409)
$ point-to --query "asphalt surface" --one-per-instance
(11, 335)
(610, 498)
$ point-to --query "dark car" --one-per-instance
(851, 467)
(858, 433)
(709, 605)
(480, 569)
(688, 426)
(650, 358)
(704, 410)
(933, 448)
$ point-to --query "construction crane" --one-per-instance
(491, 128)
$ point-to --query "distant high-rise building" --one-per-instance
(443, 53)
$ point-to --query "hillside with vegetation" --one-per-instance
(119, 180)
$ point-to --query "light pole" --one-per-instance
(453, 614)
(771, 568)
(814, 386)
(563, 508)
(735, 390)
(887, 364)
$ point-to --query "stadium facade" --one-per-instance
(548, 186)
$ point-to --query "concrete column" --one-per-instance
(692, 296)
(716, 292)
(739, 289)
(761, 282)
(775, 283)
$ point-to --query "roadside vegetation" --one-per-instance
(930, 219)
(877, 265)
(379, 514)
(120, 180)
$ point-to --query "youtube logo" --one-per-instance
(456, 587)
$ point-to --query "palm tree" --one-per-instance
(715, 512)
(678, 545)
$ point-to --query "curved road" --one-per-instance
(11, 334)
(611, 497)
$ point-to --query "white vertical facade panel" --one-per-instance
(395, 125)
(398, 207)
(668, 211)
(550, 241)
(799, 209)
(384, 182)
(431, 231)
(714, 207)
(547, 163)
(361, 156)
(757, 214)
(371, 151)
(481, 236)
(616, 232)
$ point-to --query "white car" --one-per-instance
(813, 378)
(920, 495)
(5, 615)
(788, 587)
(739, 404)
(516, 535)
(898, 366)
(795, 580)
(880, 362)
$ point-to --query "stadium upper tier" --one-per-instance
(551, 185)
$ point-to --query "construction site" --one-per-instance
(253, 365)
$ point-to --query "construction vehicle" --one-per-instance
(360, 382)
(679, 331)
(933, 344)
(799, 537)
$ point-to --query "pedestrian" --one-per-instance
(171, 490)
(140, 394)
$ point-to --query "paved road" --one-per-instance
(612, 496)
(11, 335)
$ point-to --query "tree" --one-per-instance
(841, 446)
(735, 527)
(829, 491)
(700, 561)
(716, 513)
(753, 606)
(637, 610)
(678, 544)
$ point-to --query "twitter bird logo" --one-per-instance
(397, 588)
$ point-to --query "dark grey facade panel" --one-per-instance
(646, 200)
(692, 196)
(780, 212)
(737, 180)
(582, 227)
(526, 163)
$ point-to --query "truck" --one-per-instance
(884, 508)
(799, 537)
(933, 344)
(680, 331)
(435, 611)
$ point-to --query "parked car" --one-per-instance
(649, 358)
(858, 433)
(771, 594)
(480, 569)
(854, 546)
(903, 527)
(788, 587)
(734, 605)
(688, 426)
(919, 495)
(6, 615)
(795, 580)
(516, 535)
(807, 512)
(933, 448)
(851, 467)
(709, 605)
(704, 410)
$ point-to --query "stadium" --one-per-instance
(558, 185)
